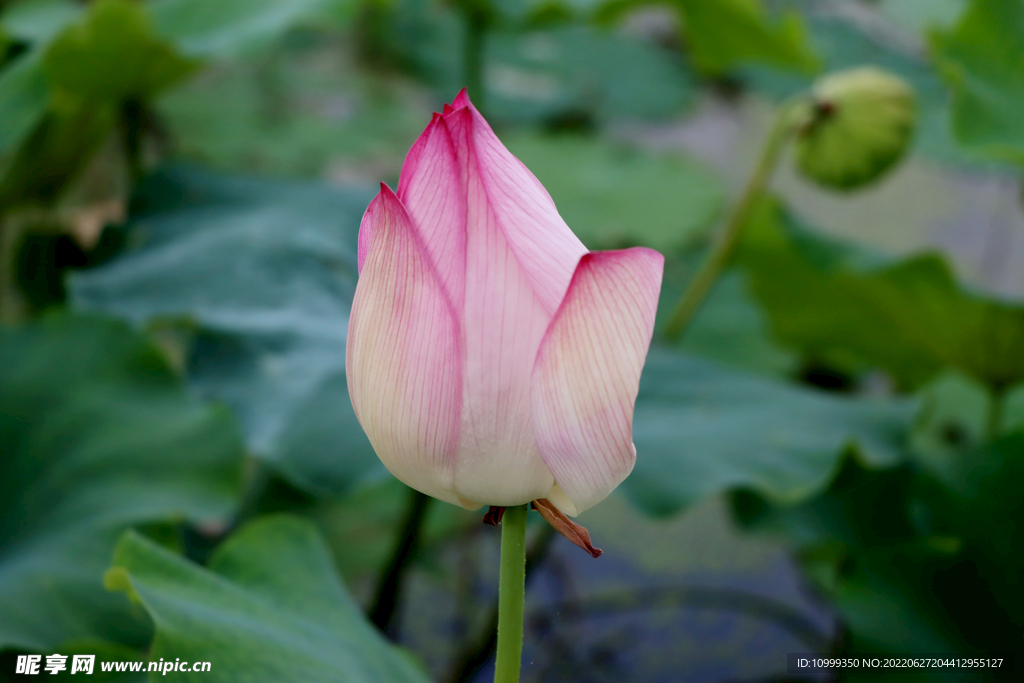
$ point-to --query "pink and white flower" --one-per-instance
(491, 358)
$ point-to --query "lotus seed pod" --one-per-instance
(859, 124)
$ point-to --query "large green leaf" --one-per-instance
(297, 114)
(726, 33)
(612, 196)
(96, 434)
(983, 61)
(982, 505)
(891, 602)
(918, 16)
(56, 151)
(37, 21)
(915, 562)
(62, 96)
(113, 54)
(24, 88)
(270, 607)
(700, 429)
(857, 538)
(267, 271)
(24, 93)
(910, 318)
(225, 28)
(579, 70)
(564, 74)
(730, 327)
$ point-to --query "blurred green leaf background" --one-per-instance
(829, 459)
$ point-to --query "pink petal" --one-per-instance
(365, 236)
(545, 248)
(587, 374)
(430, 188)
(461, 100)
(403, 356)
(506, 309)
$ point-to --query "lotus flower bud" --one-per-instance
(493, 360)
(859, 124)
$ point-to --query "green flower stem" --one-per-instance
(10, 303)
(786, 123)
(476, 655)
(477, 23)
(511, 595)
(392, 578)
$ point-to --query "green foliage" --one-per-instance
(58, 148)
(94, 60)
(295, 113)
(726, 33)
(577, 71)
(23, 95)
(915, 561)
(97, 434)
(113, 55)
(270, 605)
(978, 500)
(918, 16)
(360, 528)
(37, 21)
(909, 318)
(857, 541)
(612, 196)
(923, 557)
(64, 93)
(954, 418)
(554, 74)
(700, 428)
(228, 27)
(901, 508)
(982, 59)
(730, 327)
(261, 275)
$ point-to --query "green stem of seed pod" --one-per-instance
(511, 595)
(787, 121)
